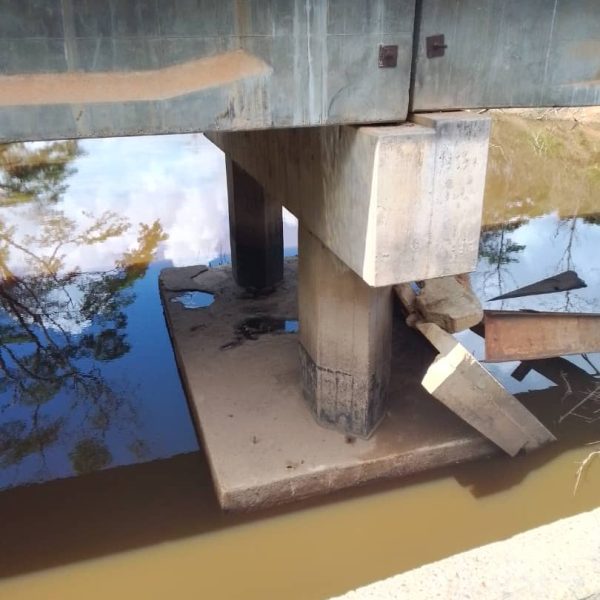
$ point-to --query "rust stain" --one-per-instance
(584, 49)
(517, 335)
(130, 86)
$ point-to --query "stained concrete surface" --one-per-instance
(554, 562)
(322, 58)
(243, 385)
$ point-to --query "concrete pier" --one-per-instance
(377, 206)
(256, 231)
(394, 203)
(345, 340)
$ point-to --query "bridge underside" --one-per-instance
(80, 68)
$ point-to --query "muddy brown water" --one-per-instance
(105, 491)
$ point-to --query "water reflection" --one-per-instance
(78, 310)
(195, 299)
(87, 377)
(540, 218)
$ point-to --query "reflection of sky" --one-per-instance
(551, 247)
(150, 419)
(179, 181)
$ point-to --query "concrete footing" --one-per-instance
(555, 562)
(239, 362)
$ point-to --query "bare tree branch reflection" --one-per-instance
(499, 251)
(58, 327)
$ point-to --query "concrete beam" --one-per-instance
(75, 69)
(462, 384)
(345, 340)
(394, 203)
(256, 232)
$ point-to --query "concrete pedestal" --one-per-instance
(394, 203)
(376, 206)
(345, 340)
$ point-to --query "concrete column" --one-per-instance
(345, 340)
(256, 231)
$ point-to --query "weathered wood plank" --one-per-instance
(449, 304)
(407, 297)
(520, 335)
(461, 383)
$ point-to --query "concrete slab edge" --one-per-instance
(556, 561)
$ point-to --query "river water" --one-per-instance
(105, 492)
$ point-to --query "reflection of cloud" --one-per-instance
(551, 245)
(177, 179)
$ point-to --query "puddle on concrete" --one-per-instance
(254, 327)
(88, 384)
(194, 299)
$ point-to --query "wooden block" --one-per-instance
(394, 203)
(520, 335)
(449, 304)
(460, 382)
(407, 296)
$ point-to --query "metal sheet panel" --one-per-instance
(280, 63)
(519, 335)
(503, 53)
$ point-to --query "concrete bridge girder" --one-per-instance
(84, 68)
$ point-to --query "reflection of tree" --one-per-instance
(566, 260)
(89, 455)
(35, 172)
(498, 249)
(58, 327)
(592, 219)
